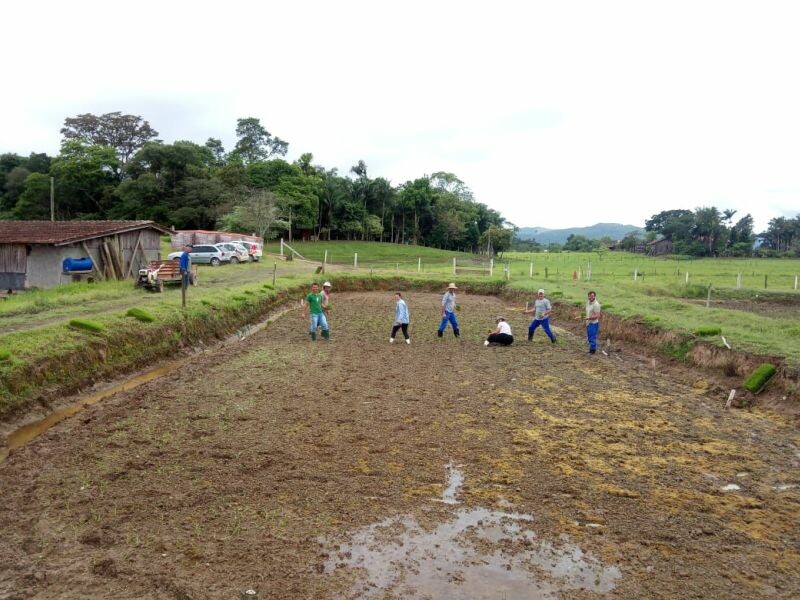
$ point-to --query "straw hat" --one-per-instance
(452, 286)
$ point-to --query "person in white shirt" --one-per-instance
(501, 335)
(592, 321)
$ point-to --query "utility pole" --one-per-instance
(52, 199)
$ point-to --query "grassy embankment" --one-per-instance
(46, 355)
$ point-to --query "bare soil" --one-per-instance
(258, 467)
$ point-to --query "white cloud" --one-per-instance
(556, 114)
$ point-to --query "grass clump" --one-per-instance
(87, 325)
(240, 298)
(676, 350)
(708, 330)
(141, 315)
(205, 302)
(4, 354)
(759, 377)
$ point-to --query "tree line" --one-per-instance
(707, 231)
(113, 166)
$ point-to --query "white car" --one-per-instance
(254, 249)
(239, 252)
(204, 253)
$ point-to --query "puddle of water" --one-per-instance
(478, 554)
(783, 487)
(25, 434)
(455, 479)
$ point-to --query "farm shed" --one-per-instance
(201, 236)
(658, 247)
(32, 252)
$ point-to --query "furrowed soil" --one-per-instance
(356, 468)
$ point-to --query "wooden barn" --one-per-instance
(32, 253)
(659, 247)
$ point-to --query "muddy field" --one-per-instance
(441, 469)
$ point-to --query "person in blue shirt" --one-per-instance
(401, 318)
(449, 311)
(186, 259)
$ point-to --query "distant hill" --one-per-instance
(615, 231)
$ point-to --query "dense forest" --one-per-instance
(113, 166)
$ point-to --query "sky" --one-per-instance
(557, 114)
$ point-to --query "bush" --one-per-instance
(759, 377)
(678, 350)
(87, 325)
(141, 315)
(4, 354)
(707, 330)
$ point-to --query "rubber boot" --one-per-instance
(326, 334)
(440, 333)
(456, 333)
(313, 335)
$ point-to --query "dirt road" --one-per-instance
(440, 469)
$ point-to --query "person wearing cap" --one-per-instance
(401, 318)
(449, 311)
(592, 321)
(501, 335)
(541, 316)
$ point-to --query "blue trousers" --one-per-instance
(318, 320)
(451, 318)
(545, 323)
(591, 335)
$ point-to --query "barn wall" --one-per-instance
(44, 265)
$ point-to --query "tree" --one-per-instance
(674, 225)
(124, 133)
(708, 228)
(257, 211)
(85, 178)
(217, 151)
(34, 202)
(255, 142)
(497, 239)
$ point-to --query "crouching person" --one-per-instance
(501, 335)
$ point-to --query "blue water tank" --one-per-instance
(77, 264)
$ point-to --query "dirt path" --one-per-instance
(356, 468)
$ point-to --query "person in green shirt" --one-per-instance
(315, 304)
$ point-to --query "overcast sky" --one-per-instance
(556, 114)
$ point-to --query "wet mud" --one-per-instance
(440, 469)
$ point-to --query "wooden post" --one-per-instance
(184, 285)
(52, 199)
(133, 254)
(765, 282)
(708, 299)
(795, 282)
(419, 265)
(454, 265)
(687, 277)
(738, 281)
(281, 246)
(545, 272)
(530, 271)
(324, 260)
(274, 273)
(491, 267)
(355, 259)
(94, 262)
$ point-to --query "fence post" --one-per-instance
(491, 267)
(281, 246)
(508, 272)
(765, 282)
(687, 277)
(325, 260)
(708, 299)
(588, 271)
(636, 274)
(531, 271)
(545, 272)
(738, 281)
(274, 273)
(795, 282)
(419, 265)
(355, 259)
(454, 265)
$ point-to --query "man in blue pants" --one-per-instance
(541, 316)
(449, 311)
(592, 321)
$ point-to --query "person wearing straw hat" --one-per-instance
(449, 311)
(541, 316)
(501, 335)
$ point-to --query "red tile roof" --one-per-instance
(65, 232)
